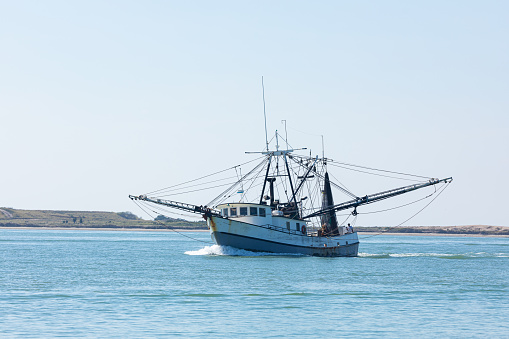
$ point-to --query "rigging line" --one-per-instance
(304, 157)
(438, 194)
(333, 177)
(354, 221)
(167, 212)
(248, 190)
(316, 135)
(314, 188)
(393, 208)
(206, 176)
(193, 216)
(205, 183)
(270, 141)
(344, 190)
(310, 194)
(170, 227)
(310, 159)
(219, 200)
(300, 187)
(225, 192)
(237, 174)
(223, 197)
(284, 184)
(303, 187)
(380, 175)
(287, 143)
(256, 176)
(380, 170)
(344, 221)
(196, 190)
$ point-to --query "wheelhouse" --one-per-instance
(258, 214)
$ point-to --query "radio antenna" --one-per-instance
(265, 116)
(286, 134)
(323, 149)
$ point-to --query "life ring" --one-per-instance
(303, 229)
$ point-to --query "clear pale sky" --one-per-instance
(101, 99)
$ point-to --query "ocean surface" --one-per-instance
(133, 284)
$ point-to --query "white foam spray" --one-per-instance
(231, 251)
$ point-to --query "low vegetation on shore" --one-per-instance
(469, 229)
(10, 217)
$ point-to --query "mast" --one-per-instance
(265, 181)
(271, 189)
(291, 184)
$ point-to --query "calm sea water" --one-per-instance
(56, 283)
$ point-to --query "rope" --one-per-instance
(342, 189)
(393, 208)
(231, 188)
(169, 227)
(196, 190)
(206, 176)
(169, 192)
(347, 192)
(380, 170)
(252, 184)
(380, 175)
(158, 207)
(438, 194)
(340, 183)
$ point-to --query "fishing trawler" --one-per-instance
(284, 204)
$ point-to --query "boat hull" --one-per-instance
(267, 238)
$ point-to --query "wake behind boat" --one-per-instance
(284, 204)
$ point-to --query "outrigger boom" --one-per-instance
(376, 197)
(178, 205)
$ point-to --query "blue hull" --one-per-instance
(261, 245)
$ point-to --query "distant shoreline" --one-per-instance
(138, 229)
(439, 234)
(11, 218)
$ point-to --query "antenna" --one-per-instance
(323, 149)
(286, 134)
(265, 116)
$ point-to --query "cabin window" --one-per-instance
(297, 227)
(253, 210)
(225, 212)
(288, 225)
(243, 211)
(233, 211)
(262, 212)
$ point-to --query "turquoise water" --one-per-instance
(58, 283)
